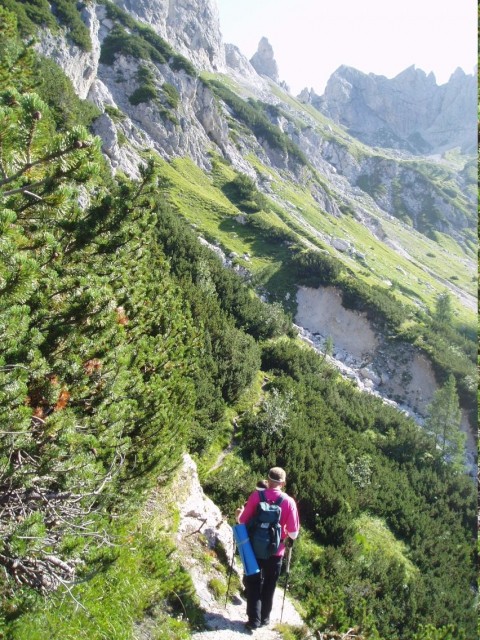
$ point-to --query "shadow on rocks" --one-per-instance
(216, 621)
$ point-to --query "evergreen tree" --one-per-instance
(328, 346)
(40, 440)
(96, 350)
(16, 59)
(443, 421)
(443, 308)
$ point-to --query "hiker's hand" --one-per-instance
(288, 542)
(238, 513)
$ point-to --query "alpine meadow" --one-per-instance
(197, 264)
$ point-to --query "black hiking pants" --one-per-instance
(260, 588)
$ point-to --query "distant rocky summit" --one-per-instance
(178, 113)
(263, 61)
(409, 112)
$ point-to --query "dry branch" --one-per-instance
(62, 513)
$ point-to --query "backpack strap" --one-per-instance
(279, 501)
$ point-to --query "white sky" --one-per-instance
(312, 38)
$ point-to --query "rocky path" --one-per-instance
(228, 622)
(231, 445)
(203, 529)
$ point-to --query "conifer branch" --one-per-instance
(33, 195)
(3, 171)
(30, 165)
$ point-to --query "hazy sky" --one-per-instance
(312, 38)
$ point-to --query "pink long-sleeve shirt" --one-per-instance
(289, 520)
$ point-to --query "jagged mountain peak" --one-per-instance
(263, 61)
(458, 74)
(411, 72)
(178, 114)
(409, 111)
(242, 70)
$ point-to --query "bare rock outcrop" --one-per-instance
(191, 127)
(79, 65)
(263, 61)
(240, 68)
(398, 372)
(192, 27)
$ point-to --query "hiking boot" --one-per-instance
(265, 622)
(250, 627)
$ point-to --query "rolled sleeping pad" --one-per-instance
(250, 565)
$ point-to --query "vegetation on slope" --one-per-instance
(132, 38)
(41, 13)
(435, 189)
(279, 262)
(123, 342)
(358, 468)
(95, 383)
(252, 114)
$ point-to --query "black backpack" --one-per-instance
(264, 528)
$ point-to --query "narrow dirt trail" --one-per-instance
(231, 445)
(228, 622)
(202, 529)
(233, 441)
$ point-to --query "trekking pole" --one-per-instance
(287, 574)
(230, 571)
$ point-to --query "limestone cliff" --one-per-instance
(191, 26)
(79, 65)
(264, 61)
(186, 122)
(408, 112)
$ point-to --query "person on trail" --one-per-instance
(260, 587)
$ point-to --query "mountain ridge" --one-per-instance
(409, 111)
(339, 187)
(128, 342)
(214, 127)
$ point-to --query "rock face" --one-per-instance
(198, 124)
(242, 70)
(397, 372)
(402, 373)
(408, 112)
(263, 60)
(80, 66)
(192, 126)
(401, 189)
(191, 26)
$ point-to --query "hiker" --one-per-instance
(260, 587)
